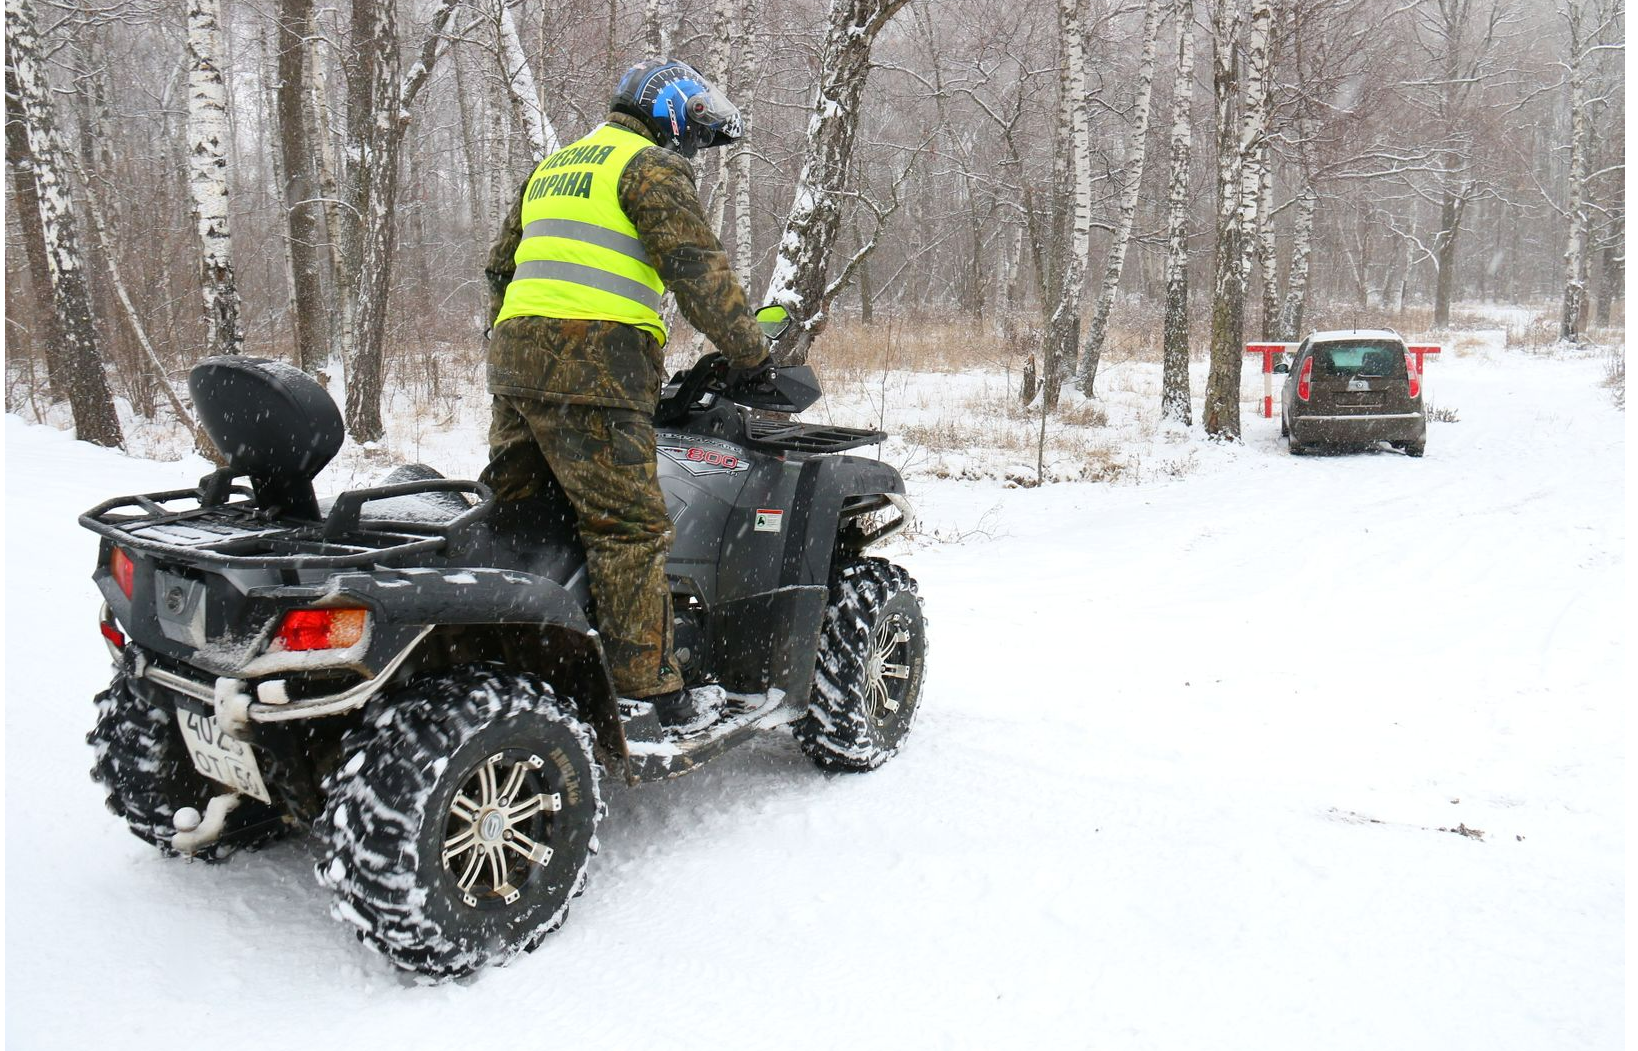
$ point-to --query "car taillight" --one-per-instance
(1415, 377)
(1305, 381)
(123, 570)
(320, 629)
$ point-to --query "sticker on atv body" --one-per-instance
(703, 455)
(769, 521)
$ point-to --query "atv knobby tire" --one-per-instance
(451, 775)
(872, 653)
(143, 761)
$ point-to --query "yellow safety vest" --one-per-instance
(580, 256)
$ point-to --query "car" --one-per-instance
(1353, 387)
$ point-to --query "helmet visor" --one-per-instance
(709, 109)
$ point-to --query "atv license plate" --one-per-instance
(221, 756)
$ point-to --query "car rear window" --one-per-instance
(1365, 358)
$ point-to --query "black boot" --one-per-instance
(687, 710)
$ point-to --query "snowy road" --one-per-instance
(1184, 757)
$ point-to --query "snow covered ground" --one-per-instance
(1189, 751)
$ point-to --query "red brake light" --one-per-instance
(1305, 380)
(123, 570)
(1415, 377)
(320, 629)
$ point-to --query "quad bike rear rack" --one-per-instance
(221, 524)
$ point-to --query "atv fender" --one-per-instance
(532, 624)
(771, 604)
(824, 487)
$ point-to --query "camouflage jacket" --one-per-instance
(603, 362)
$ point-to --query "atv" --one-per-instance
(412, 673)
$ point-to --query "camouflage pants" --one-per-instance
(604, 459)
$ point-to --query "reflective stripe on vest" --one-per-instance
(580, 257)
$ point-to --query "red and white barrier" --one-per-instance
(1268, 351)
(1417, 351)
(1415, 362)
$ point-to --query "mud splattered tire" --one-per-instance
(872, 653)
(143, 762)
(460, 824)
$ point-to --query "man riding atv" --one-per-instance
(601, 229)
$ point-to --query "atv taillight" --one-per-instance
(123, 570)
(1305, 381)
(320, 629)
(1415, 377)
(115, 637)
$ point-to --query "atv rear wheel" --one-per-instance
(868, 679)
(143, 761)
(460, 825)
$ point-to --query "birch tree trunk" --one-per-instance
(1131, 182)
(1296, 286)
(520, 83)
(658, 18)
(1174, 378)
(80, 365)
(739, 157)
(1268, 262)
(378, 114)
(47, 334)
(1063, 326)
(1575, 252)
(1237, 180)
(803, 265)
(208, 139)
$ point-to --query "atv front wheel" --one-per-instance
(143, 762)
(460, 824)
(868, 679)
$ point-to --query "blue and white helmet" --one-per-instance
(685, 111)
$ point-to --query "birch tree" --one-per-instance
(1238, 191)
(800, 280)
(1585, 20)
(659, 16)
(520, 85)
(378, 114)
(1064, 323)
(1131, 182)
(208, 135)
(1174, 378)
(47, 333)
(80, 364)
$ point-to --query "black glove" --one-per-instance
(762, 372)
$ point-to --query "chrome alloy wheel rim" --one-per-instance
(887, 673)
(497, 830)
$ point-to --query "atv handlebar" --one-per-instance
(769, 387)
